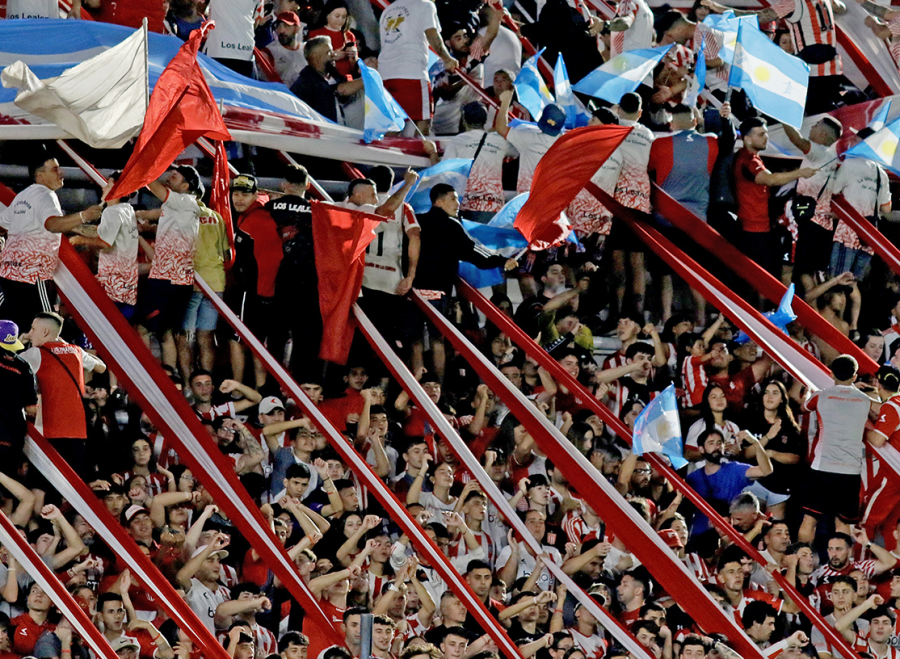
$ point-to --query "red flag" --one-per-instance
(220, 195)
(182, 109)
(563, 171)
(340, 237)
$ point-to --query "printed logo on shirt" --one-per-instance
(393, 23)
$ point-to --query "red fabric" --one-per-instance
(559, 177)
(340, 237)
(220, 198)
(752, 197)
(182, 109)
(131, 14)
(267, 246)
(338, 41)
(27, 633)
(62, 410)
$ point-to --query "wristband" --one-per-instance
(65, 651)
(81, 216)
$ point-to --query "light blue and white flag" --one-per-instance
(699, 81)
(622, 74)
(501, 240)
(658, 430)
(726, 26)
(780, 318)
(575, 113)
(383, 113)
(506, 216)
(454, 171)
(774, 81)
(530, 86)
(883, 147)
(881, 119)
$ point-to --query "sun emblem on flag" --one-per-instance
(619, 63)
(762, 73)
(888, 148)
(664, 427)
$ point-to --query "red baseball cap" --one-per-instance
(670, 537)
(288, 18)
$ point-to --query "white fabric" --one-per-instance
(505, 53)
(101, 101)
(842, 412)
(527, 563)
(384, 255)
(288, 63)
(857, 181)
(232, 37)
(117, 268)
(204, 602)
(31, 251)
(484, 191)
(404, 48)
(531, 144)
(33, 357)
(32, 9)
(176, 237)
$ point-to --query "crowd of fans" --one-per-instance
(786, 467)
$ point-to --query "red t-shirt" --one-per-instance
(338, 41)
(27, 633)
(752, 197)
(256, 224)
(60, 377)
(254, 571)
(736, 386)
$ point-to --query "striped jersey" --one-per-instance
(812, 24)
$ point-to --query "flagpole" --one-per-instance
(146, 63)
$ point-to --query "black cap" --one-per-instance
(191, 177)
(244, 183)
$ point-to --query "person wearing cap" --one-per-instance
(171, 279)
(232, 42)
(139, 524)
(407, 29)
(286, 50)
(200, 578)
(258, 254)
(34, 222)
(883, 495)
(531, 143)
(484, 190)
(19, 397)
(470, 50)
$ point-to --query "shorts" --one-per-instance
(622, 239)
(127, 310)
(20, 301)
(163, 305)
(201, 314)
(765, 495)
(827, 494)
(414, 96)
(395, 316)
(813, 248)
(256, 312)
(846, 259)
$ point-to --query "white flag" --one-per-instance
(101, 101)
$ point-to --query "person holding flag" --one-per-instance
(814, 33)
(530, 141)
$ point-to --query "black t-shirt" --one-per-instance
(19, 390)
(293, 215)
(788, 440)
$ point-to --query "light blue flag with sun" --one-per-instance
(880, 147)
(575, 113)
(622, 74)
(658, 430)
(530, 86)
(726, 26)
(454, 171)
(383, 113)
(774, 81)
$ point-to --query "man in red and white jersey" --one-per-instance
(252, 601)
(408, 28)
(839, 563)
(171, 280)
(34, 222)
(631, 27)
(843, 590)
(883, 495)
(877, 642)
(814, 33)
(59, 368)
(731, 578)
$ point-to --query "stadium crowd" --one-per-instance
(786, 467)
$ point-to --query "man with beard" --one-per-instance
(287, 48)
(720, 483)
(840, 547)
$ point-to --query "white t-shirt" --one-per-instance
(176, 238)
(204, 602)
(233, 36)
(31, 251)
(640, 34)
(532, 144)
(505, 53)
(860, 181)
(288, 63)
(32, 9)
(823, 159)
(527, 563)
(484, 191)
(841, 412)
(585, 213)
(404, 48)
(117, 268)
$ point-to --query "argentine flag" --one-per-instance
(454, 171)
(575, 113)
(699, 81)
(774, 81)
(622, 74)
(882, 147)
(504, 241)
(530, 86)
(726, 27)
(658, 430)
(383, 113)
